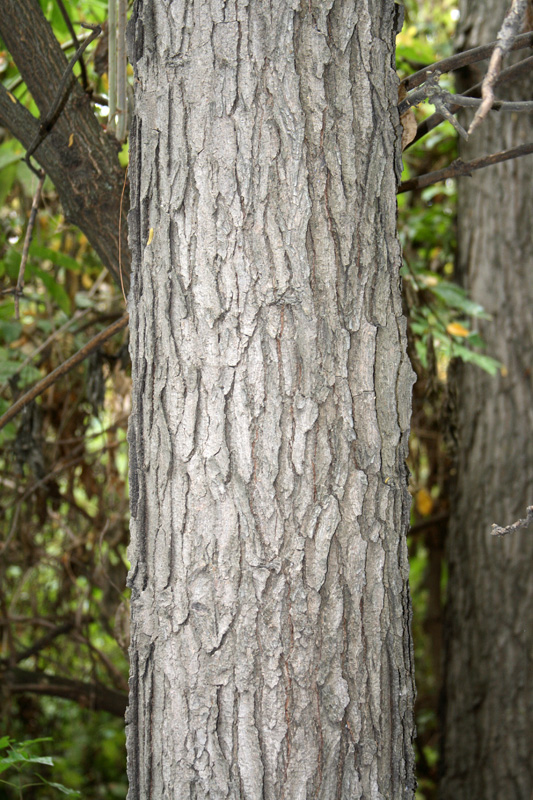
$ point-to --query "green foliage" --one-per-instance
(441, 315)
(19, 756)
(63, 463)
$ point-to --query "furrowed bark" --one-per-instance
(271, 654)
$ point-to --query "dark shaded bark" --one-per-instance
(488, 746)
(271, 654)
(79, 157)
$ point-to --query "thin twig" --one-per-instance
(27, 240)
(63, 368)
(63, 93)
(462, 60)
(73, 462)
(12, 530)
(519, 106)
(506, 75)
(512, 23)
(112, 64)
(79, 314)
(520, 523)
(70, 26)
(16, 82)
(44, 641)
(459, 167)
(120, 236)
(122, 66)
(434, 93)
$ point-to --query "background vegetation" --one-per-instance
(63, 461)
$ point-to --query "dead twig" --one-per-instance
(70, 26)
(27, 241)
(462, 60)
(63, 368)
(506, 75)
(459, 167)
(497, 530)
(512, 23)
(63, 93)
(439, 97)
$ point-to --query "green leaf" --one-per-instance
(61, 788)
(55, 289)
(34, 741)
(12, 263)
(9, 330)
(486, 363)
(455, 297)
(7, 310)
(37, 251)
(8, 364)
(46, 760)
(7, 179)
(10, 152)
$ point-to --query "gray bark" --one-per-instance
(488, 746)
(271, 653)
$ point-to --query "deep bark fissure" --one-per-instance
(269, 568)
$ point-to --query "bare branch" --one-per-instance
(112, 64)
(27, 241)
(459, 167)
(80, 158)
(70, 26)
(63, 92)
(95, 696)
(439, 97)
(122, 113)
(506, 76)
(79, 314)
(462, 60)
(63, 368)
(44, 641)
(512, 23)
(520, 523)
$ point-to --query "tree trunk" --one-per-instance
(488, 746)
(271, 653)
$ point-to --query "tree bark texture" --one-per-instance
(488, 746)
(77, 155)
(270, 653)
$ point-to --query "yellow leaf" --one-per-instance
(455, 329)
(12, 97)
(71, 140)
(150, 236)
(424, 502)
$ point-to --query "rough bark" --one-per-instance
(80, 158)
(488, 747)
(271, 653)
